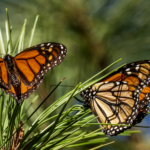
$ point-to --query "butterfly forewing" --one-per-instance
(137, 72)
(34, 62)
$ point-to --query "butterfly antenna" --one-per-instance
(79, 100)
(2, 54)
(142, 126)
(62, 85)
(34, 111)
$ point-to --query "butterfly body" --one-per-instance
(21, 75)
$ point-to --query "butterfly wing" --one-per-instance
(114, 103)
(34, 62)
(144, 100)
(137, 72)
(4, 77)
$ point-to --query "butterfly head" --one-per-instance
(9, 62)
(87, 96)
(9, 59)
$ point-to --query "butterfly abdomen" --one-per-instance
(12, 77)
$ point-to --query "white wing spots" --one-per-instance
(94, 93)
(124, 81)
(62, 52)
(48, 65)
(144, 86)
(48, 44)
(129, 73)
(61, 47)
(115, 127)
(128, 69)
(137, 68)
(117, 83)
(65, 50)
(42, 44)
(59, 57)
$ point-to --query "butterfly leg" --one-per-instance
(79, 100)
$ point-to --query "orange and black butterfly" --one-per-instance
(120, 98)
(21, 75)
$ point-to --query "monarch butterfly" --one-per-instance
(21, 75)
(120, 98)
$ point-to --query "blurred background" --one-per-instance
(96, 33)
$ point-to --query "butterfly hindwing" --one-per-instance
(34, 62)
(113, 103)
(23, 91)
(144, 100)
